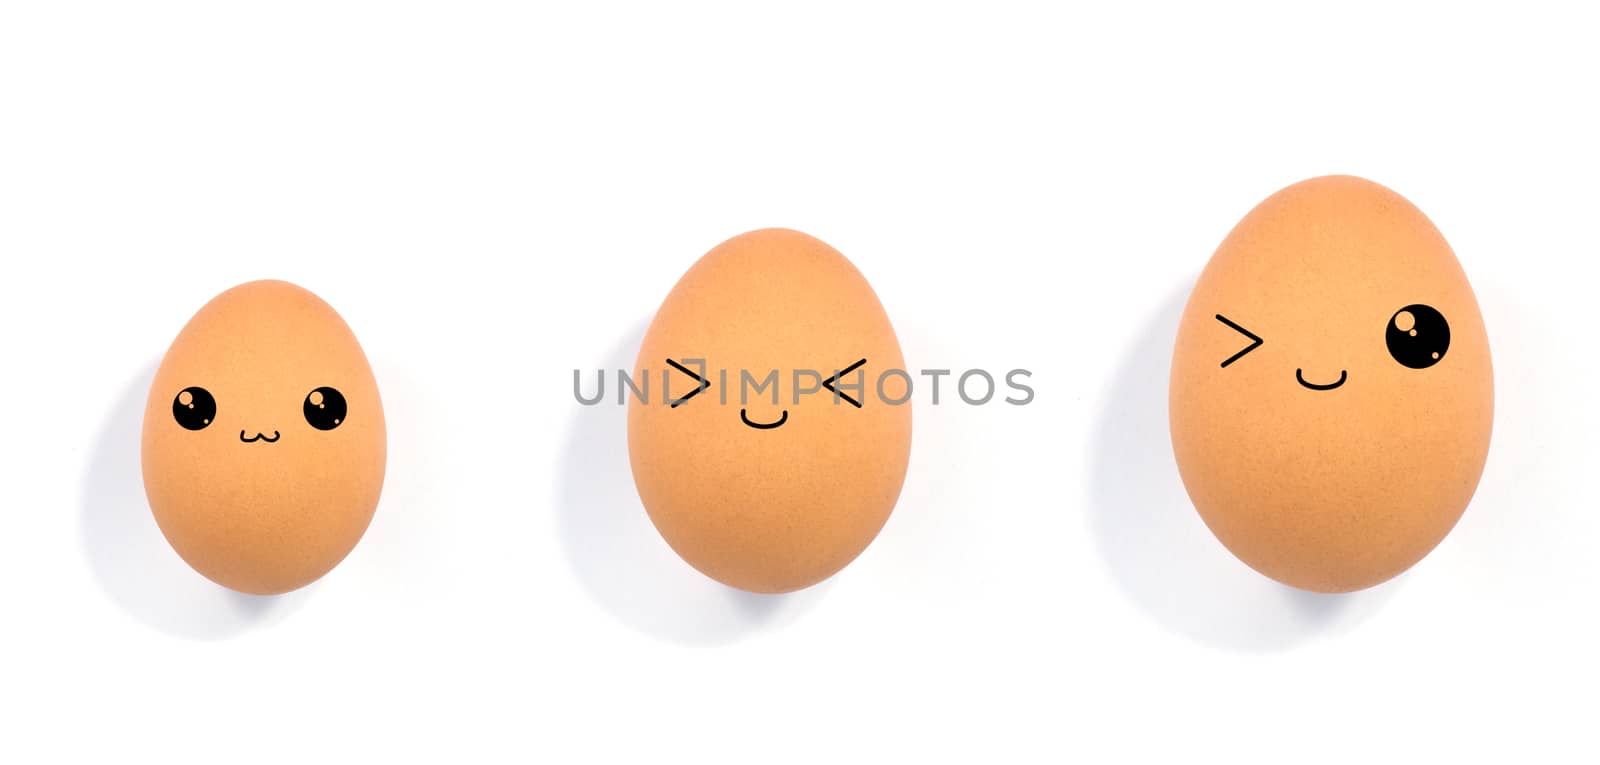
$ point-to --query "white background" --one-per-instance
(494, 194)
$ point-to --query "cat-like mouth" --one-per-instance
(260, 437)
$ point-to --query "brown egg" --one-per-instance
(264, 446)
(777, 489)
(1331, 395)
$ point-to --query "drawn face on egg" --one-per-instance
(264, 443)
(195, 409)
(831, 386)
(1417, 336)
(1331, 395)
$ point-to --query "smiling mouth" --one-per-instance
(764, 425)
(260, 437)
(1314, 386)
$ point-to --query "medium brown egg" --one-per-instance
(264, 447)
(1331, 394)
(775, 489)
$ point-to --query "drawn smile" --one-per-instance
(764, 425)
(260, 437)
(1314, 386)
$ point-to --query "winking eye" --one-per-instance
(1256, 340)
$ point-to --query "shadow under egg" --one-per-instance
(1156, 546)
(132, 561)
(616, 552)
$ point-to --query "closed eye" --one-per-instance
(1255, 340)
(703, 383)
(828, 383)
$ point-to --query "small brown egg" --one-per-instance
(1332, 395)
(775, 489)
(264, 447)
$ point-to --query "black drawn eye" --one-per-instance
(1418, 336)
(1255, 341)
(194, 408)
(702, 382)
(325, 408)
(828, 383)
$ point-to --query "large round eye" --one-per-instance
(194, 408)
(1418, 336)
(325, 408)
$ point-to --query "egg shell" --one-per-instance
(1339, 489)
(779, 509)
(264, 517)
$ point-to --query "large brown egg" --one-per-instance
(264, 447)
(1331, 395)
(770, 488)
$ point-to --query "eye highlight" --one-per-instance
(194, 408)
(1418, 336)
(828, 383)
(703, 383)
(1255, 340)
(325, 408)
